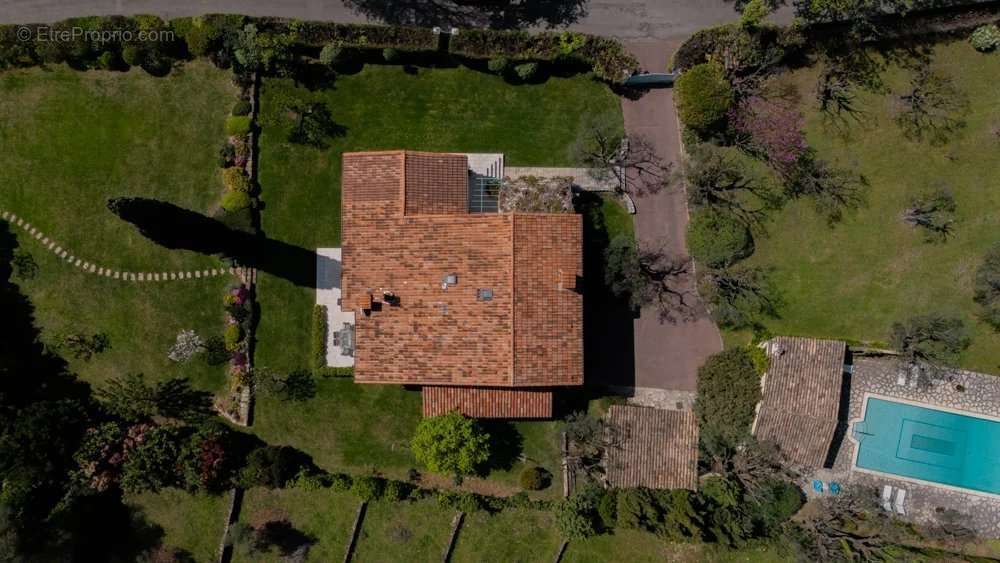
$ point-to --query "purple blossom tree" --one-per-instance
(772, 128)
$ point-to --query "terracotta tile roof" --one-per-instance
(529, 331)
(801, 397)
(658, 448)
(486, 402)
(436, 183)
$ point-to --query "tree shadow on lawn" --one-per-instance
(506, 445)
(177, 228)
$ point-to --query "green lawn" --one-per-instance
(327, 517)
(512, 536)
(73, 139)
(853, 280)
(407, 531)
(623, 545)
(193, 523)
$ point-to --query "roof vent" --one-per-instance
(484, 294)
(449, 279)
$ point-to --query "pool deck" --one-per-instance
(981, 395)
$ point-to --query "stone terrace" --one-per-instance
(980, 394)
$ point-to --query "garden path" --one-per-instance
(93, 268)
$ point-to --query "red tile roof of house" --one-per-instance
(801, 397)
(403, 234)
(656, 448)
(486, 402)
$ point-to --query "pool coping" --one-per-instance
(857, 444)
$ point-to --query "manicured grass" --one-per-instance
(853, 280)
(623, 545)
(617, 219)
(193, 523)
(407, 531)
(73, 139)
(326, 516)
(511, 535)
(540, 448)
(346, 426)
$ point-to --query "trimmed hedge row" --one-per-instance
(607, 57)
(207, 35)
(319, 334)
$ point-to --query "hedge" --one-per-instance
(606, 57)
(319, 335)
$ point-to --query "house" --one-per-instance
(800, 400)
(652, 448)
(481, 309)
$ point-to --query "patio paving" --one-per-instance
(980, 394)
(328, 268)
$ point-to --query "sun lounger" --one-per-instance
(900, 498)
(887, 498)
(817, 485)
(834, 488)
(901, 379)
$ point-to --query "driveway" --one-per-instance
(627, 19)
(667, 355)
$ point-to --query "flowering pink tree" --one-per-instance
(772, 128)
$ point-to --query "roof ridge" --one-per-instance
(513, 303)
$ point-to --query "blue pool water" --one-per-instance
(930, 445)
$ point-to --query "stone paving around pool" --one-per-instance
(963, 390)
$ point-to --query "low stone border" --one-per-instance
(355, 532)
(235, 504)
(456, 523)
(561, 552)
(111, 273)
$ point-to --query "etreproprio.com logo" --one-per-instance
(45, 33)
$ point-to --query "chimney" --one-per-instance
(567, 280)
(364, 302)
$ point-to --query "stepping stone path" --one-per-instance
(92, 268)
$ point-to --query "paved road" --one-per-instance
(629, 19)
(667, 356)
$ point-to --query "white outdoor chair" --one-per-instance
(900, 498)
(887, 498)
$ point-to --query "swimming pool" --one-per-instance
(928, 444)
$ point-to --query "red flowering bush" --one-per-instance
(772, 128)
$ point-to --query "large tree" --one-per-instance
(630, 162)
(646, 276)
(728, 393)
(934, 213)
(931, 341)
(720, 182)
(451, 444)
(932, 107)
(987, 287)
(739, 296)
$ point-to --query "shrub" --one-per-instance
(227, 153)
(396, 490)
(341, 482)
(987, 287)
(107, 61)
(527, 71)
(718, 240)
(319, 335)
(368, 488)
(132, 55)
(152, 463)
(761, 361)
(319, 34)
(498, 65)
(577, 517)
(461, 500)
(332, 55)
(607, 508)
(242, 107)
(754, 12)
(233, 337)
(236, 201)
(742, 48)
(238, 125)
(187, 346)
(932, 339)
(703, 96)
(391, 55)
(728, 393)
(985, 38)
(311, 481)
(535, 479)
(234, 179)
(450, 443)
(270, 466)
